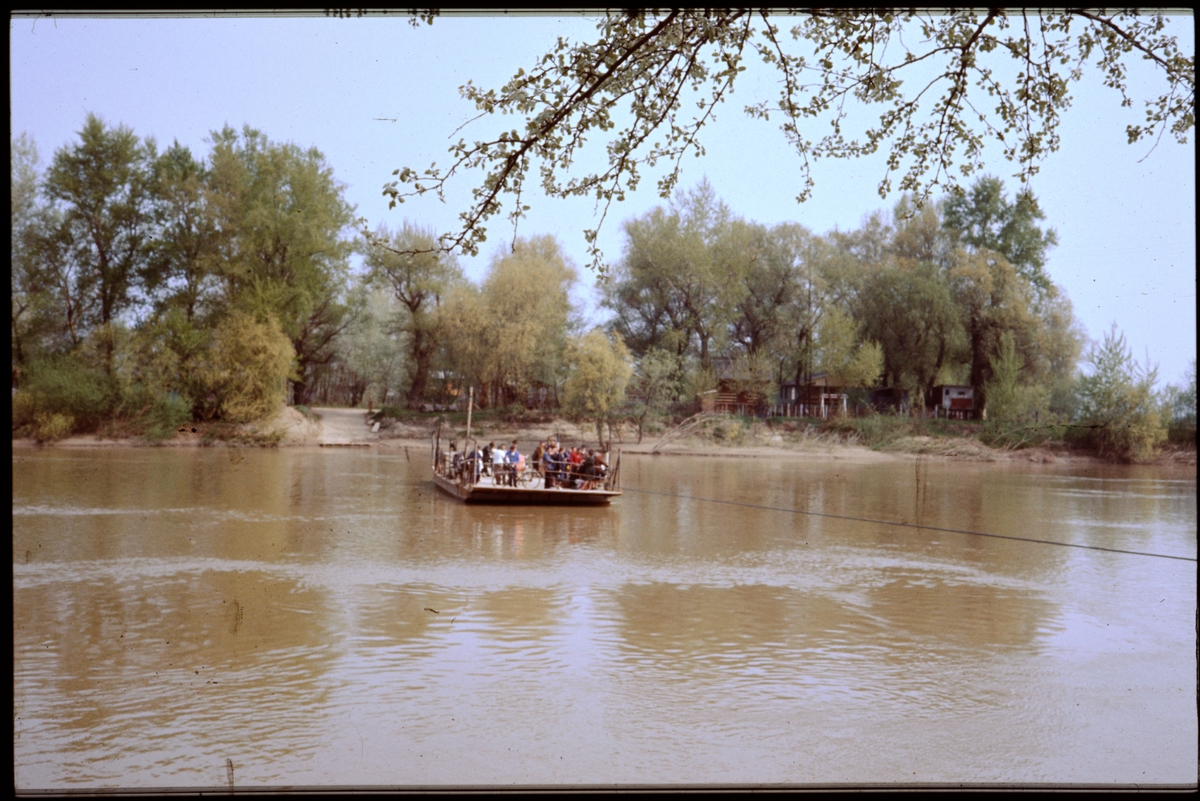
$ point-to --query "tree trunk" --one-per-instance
(301, 393)
(979, 366)
(416, 392)
(421, 347)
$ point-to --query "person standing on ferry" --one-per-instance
(576, 468)
(497, 466)
(552, 461)
(601, 466)
(510, 464)
(589, 469)
(539, 454)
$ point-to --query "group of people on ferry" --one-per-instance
(556, 466)
(573, 468)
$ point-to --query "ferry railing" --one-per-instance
(570, 473)
(465, 469)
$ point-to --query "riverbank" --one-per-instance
(332, 427)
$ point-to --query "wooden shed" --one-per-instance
(820, 397)
(954, 402)
(736, 391)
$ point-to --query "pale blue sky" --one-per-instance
(1126, 222)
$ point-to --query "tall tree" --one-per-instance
(418, 277)
(103, 186)
(468, 337)
(529, 307)
(510, 335)
(675, 285)
(1002, 285)
(595, 389)
(183, 261)
(1054, 361)
(370, 358)
(828, 275)
(283, 225)
(769, 285)
(911, 314)
(984, 219)
(35, 317)
(654, 386)
(993, 299)
(917, 236)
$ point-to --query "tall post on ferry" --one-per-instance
(470, 403)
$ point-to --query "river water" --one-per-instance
(301, 617)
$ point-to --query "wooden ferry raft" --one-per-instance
(530, 489)
(460, 480)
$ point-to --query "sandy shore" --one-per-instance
(335, 428)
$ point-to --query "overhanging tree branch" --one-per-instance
(650, 65)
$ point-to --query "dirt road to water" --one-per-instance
(343, 427)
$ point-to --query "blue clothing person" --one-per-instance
(510, 464)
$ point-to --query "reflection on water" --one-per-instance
(143, 655)
(306, 617)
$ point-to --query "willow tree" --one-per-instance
(655, 385)
(911, 313)
(509, 335)
(284, 243)
(929, 88)
(677, 283)
(245, 369)
(773, 282)
(184, 261)
(419, 278)
(373, 354)
(595, 388)
(999, 279)
(994, 300)
(841, 352)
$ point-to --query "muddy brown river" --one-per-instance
(217, 617)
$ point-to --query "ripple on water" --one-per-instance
(310, 628)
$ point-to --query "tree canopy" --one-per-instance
(419, 278)
(600, 370)
(174, 286)
(909, 300)
(930, 89)
(104, 227)
(1116, 402)
(508, 335)
(284, 253)
(155, 289)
